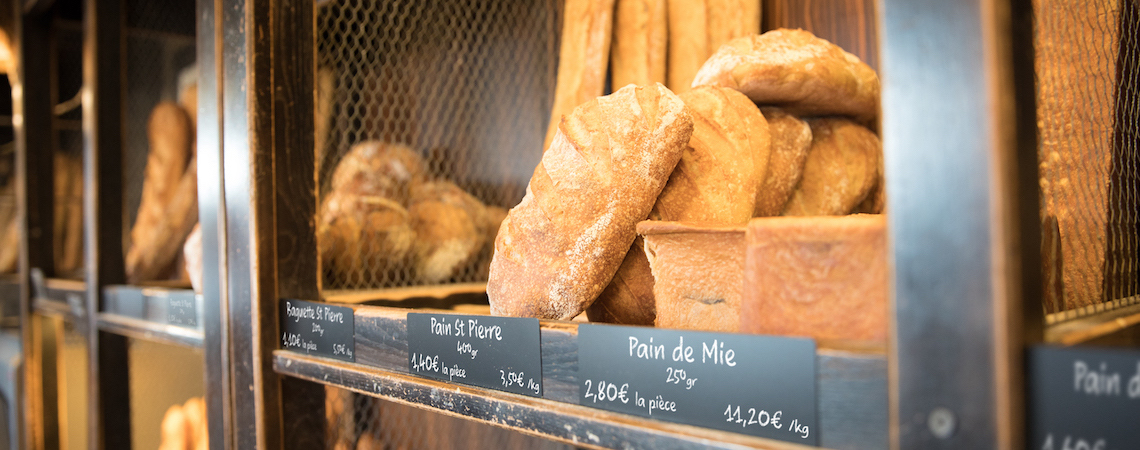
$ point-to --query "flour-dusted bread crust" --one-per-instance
(587, 27)
(363, 231)
(724, 164)
(820, 277)
(559, 248)
(641, 33)
(379, 168)
(448, 223)
(842, 168)
(795, 70)
(791, 141)
(628, 300)
(698, 273)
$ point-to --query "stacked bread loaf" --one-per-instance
(386, 221)
(779, 126)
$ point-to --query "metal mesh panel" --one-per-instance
(67, 231)
(467, 86)
(159, 47)
(365, 423)
(1088, 70)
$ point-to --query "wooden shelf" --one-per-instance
(852, 392)
(158, 314)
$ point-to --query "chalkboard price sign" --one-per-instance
(758, 385)
(1083, 398)
(493, 352)
(318, 328)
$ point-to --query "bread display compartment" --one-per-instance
(430, 118)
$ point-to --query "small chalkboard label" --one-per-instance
(1083, 398)
(317, 328)
(757, 385)
(493, 352)
(182, 309)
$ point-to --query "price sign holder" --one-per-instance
(318, 328)
(758, 385)
(502, 353)
(182, 309)
(1083, 398)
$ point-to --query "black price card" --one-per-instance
(759, 385)
(317, 328)
(493, 352)
(1083, 398)
(182, 309)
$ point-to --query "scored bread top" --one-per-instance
(798, 71)
(561, 245)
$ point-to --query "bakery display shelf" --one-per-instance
(1093, 321)
(356, 296)
(159, 314)
(851, 396)
(59, 297)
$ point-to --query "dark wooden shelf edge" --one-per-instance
(150, 331)
(852, 386)
(569, 423)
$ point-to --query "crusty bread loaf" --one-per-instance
(641, 32)
(791, 141)
(188, 99)
(717, 180)
(170, 134)
(688, 42)
(355, 232)
(448, 223)
(559, 248)
(820, 277)
(724, 164)
(375, 168)
(794, 69)
(586, 33)
(841, 169)
(730, 19)
(697, 273)
(628, 299)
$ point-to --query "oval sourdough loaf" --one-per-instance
(562, 244)
(791, 140)
(842, 168)
(794, 69)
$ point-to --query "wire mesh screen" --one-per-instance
(1088, 73)
(430, 118)
(67, 226)
(159, 59)
(357, 422)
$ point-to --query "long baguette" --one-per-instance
(154, 248)
(586, 29)
(641, 32)
(559, 248)
(688, 42)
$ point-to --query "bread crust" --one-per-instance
(585, 50)
(640, 42)
(559, 248)
(841, 170)
(791, 141)
(797, 71)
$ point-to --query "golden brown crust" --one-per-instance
(821, 277)
(723, 166)
(841, 169)
(791, 141)
(688, 42)
(586, 29)
(380, 169)
(628, 300)
(363, 231)
(697, 273)
(559, 248)
(797, 71)
(640, 38)
(449, 227)
(157, 241)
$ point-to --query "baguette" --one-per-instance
(842, 167)
(641, 32)
(559, 248)
(688, 42)
(586, 29)
(154, 248)
(791, 141)
(795, 70)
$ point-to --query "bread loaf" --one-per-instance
(791, 141)
(192, 255)
(717, 181)
(559, 248)
(363, 232)
(820, 277)
(697, 274)
(375, 168)
(449, 227)
(795, 70)
(724, 164)
(188, 99)
(586, 33)
(9, 227)
(639, 47)
(688, 42)
(841, 169)
(492, 219)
